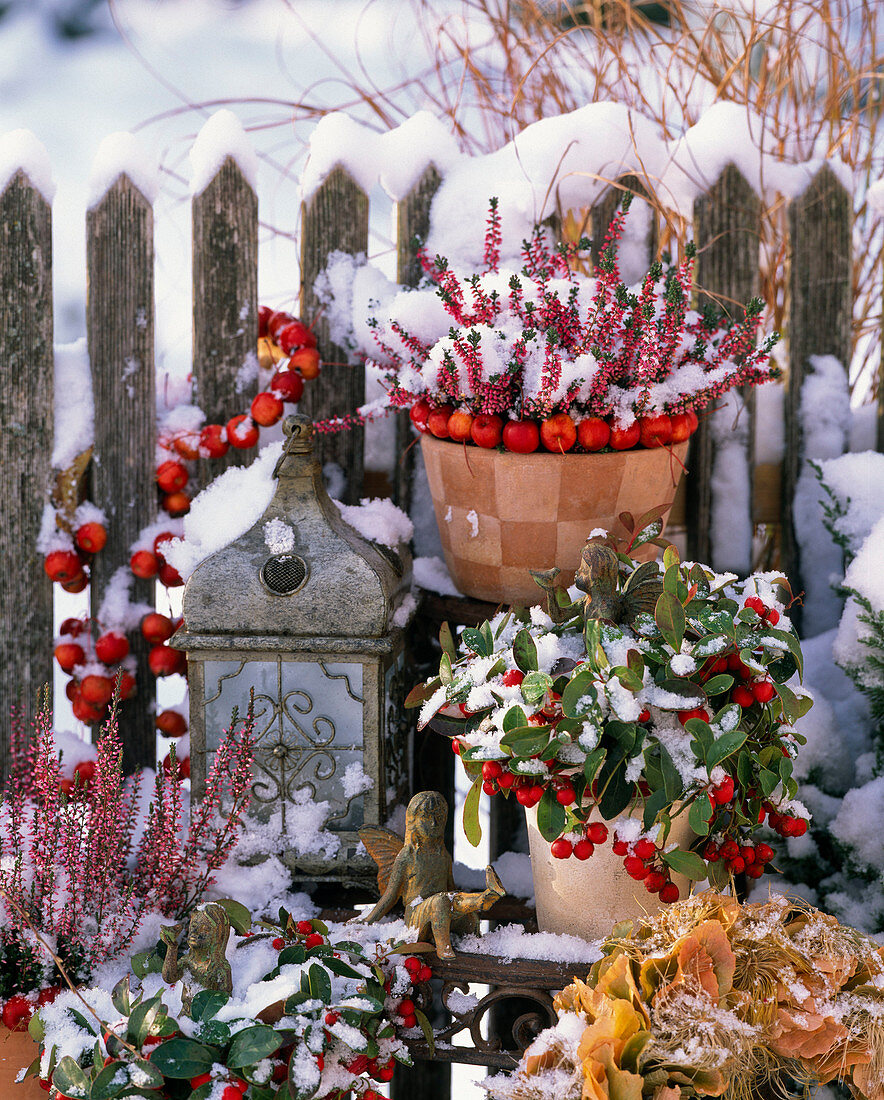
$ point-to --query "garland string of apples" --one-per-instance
(287, 348)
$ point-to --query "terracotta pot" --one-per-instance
(501, 514)
(17, 1051)
(587, 898)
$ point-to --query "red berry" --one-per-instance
(171, 724)
(17, 1012)
(489, 788)
(772, 616)
(278, 944)
(406, 1007)
(69, 655)
(561, 848)
(385, 1073)
(76, 584)
(62, 565)
(756, 604)
(724, 791)
(735, 663)
(313, 940)
(111, 647)
(524, 796)
(171, 476)
(747, 853)
(144, 564)
(755, 871)
(635, 868)
(305, 927)
(506, 781)
(566, 796)
(455, 746)
(799, 827)
(213, 441)
(200, 1079)
(742, 696)
(513, 677)
(710, 852)
(288, 385)
(645, 848)
(619, 847)
(157, 628)
(266, 409)
(764, 853)
(424, 974)
(331, 1018)
(583, 849)
(697, 712)
(264, 315)
(91, 537)
(597, 832)
(241, 432)
(492, 769)
(409, 1022)
(412, 964)
(655, 881)
(669, 893)
(729, 850)
(231, 1092)
(645, 715)
(736, 866)
(764, 691)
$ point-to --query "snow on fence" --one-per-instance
(120, 332)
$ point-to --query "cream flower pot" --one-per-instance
(587, 898)
(501, 514)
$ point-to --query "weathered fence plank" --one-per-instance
(726, 233)
(819, 319)
(412, 228)
(225, 304)
(335, 218)
(26, 413)
(120, 329)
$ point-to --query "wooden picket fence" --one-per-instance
(120, 329)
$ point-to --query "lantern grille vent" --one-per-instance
(284, 574)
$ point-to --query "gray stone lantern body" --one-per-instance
(309, 614)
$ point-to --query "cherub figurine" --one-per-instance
(205, 965)
(418, 871)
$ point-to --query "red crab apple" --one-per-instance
(213, 441)
(97, 690)
(241, 432)
(111, 647)
(460, 425)
(91, 537)
(62, 565)
(76, 584)
(288, 385)
(487, 430)
(16, 1012)
(295, 335)
(558, 433)
(171, 724)
(176, 504)
(169, 576)
(437, 421)
(171, 476)
(683, 426)
(264, 315)
(593, 433)
(165, 661)
(521, 436)
(187, 445)
(157, 628)
(655, 431)
(624, 438)
(69, 655)
(84, 771)
(127, 685)
(419, 413)
(144, 564)
(306, 360)
(266, 409)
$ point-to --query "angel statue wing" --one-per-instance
(383, 845)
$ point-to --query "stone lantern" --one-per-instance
(310, 614)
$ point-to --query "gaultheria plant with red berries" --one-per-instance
(663, 692)
(547, 356)
(72, 866)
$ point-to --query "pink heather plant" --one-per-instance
(71, 864)
(545, 339)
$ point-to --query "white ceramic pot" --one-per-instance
(588, 897)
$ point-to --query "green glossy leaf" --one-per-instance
(788, 701)
(485, 631)
(627, 678)
(651, 531)
(669, 617)
(699, 815)
(654, 803)
(143, 1017)
(476, 641)
(709, 646)
(70, 1079)
(240, 918)
(550, 816)
(445, 672)
(292, 955)
(320, 983)
(672, 780)
(207, 1003)
(35, 1028)
(525, 651)
(685, 863)
(617, 792)
(696, 727)
(785, 638)
(688, 695)
(121, 996)
(254, 1043)
(214, 1032)
(593, 762)
(535, 686)
(427, 1028)
(526, 741)
(722, 747)
(446, 641)
(183, 1058)
(717, 684)
(635, 662)
(767, 781)
(421, 693)
(671, 557)
(718, 620)
(341, 968)
(515, 718)
(580, 694)
(471, 827)
(299, 1085)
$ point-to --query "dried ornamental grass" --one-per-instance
(714, 998)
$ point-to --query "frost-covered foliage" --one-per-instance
(543, 339)
(83, 863)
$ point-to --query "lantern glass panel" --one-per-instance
(308, 729)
